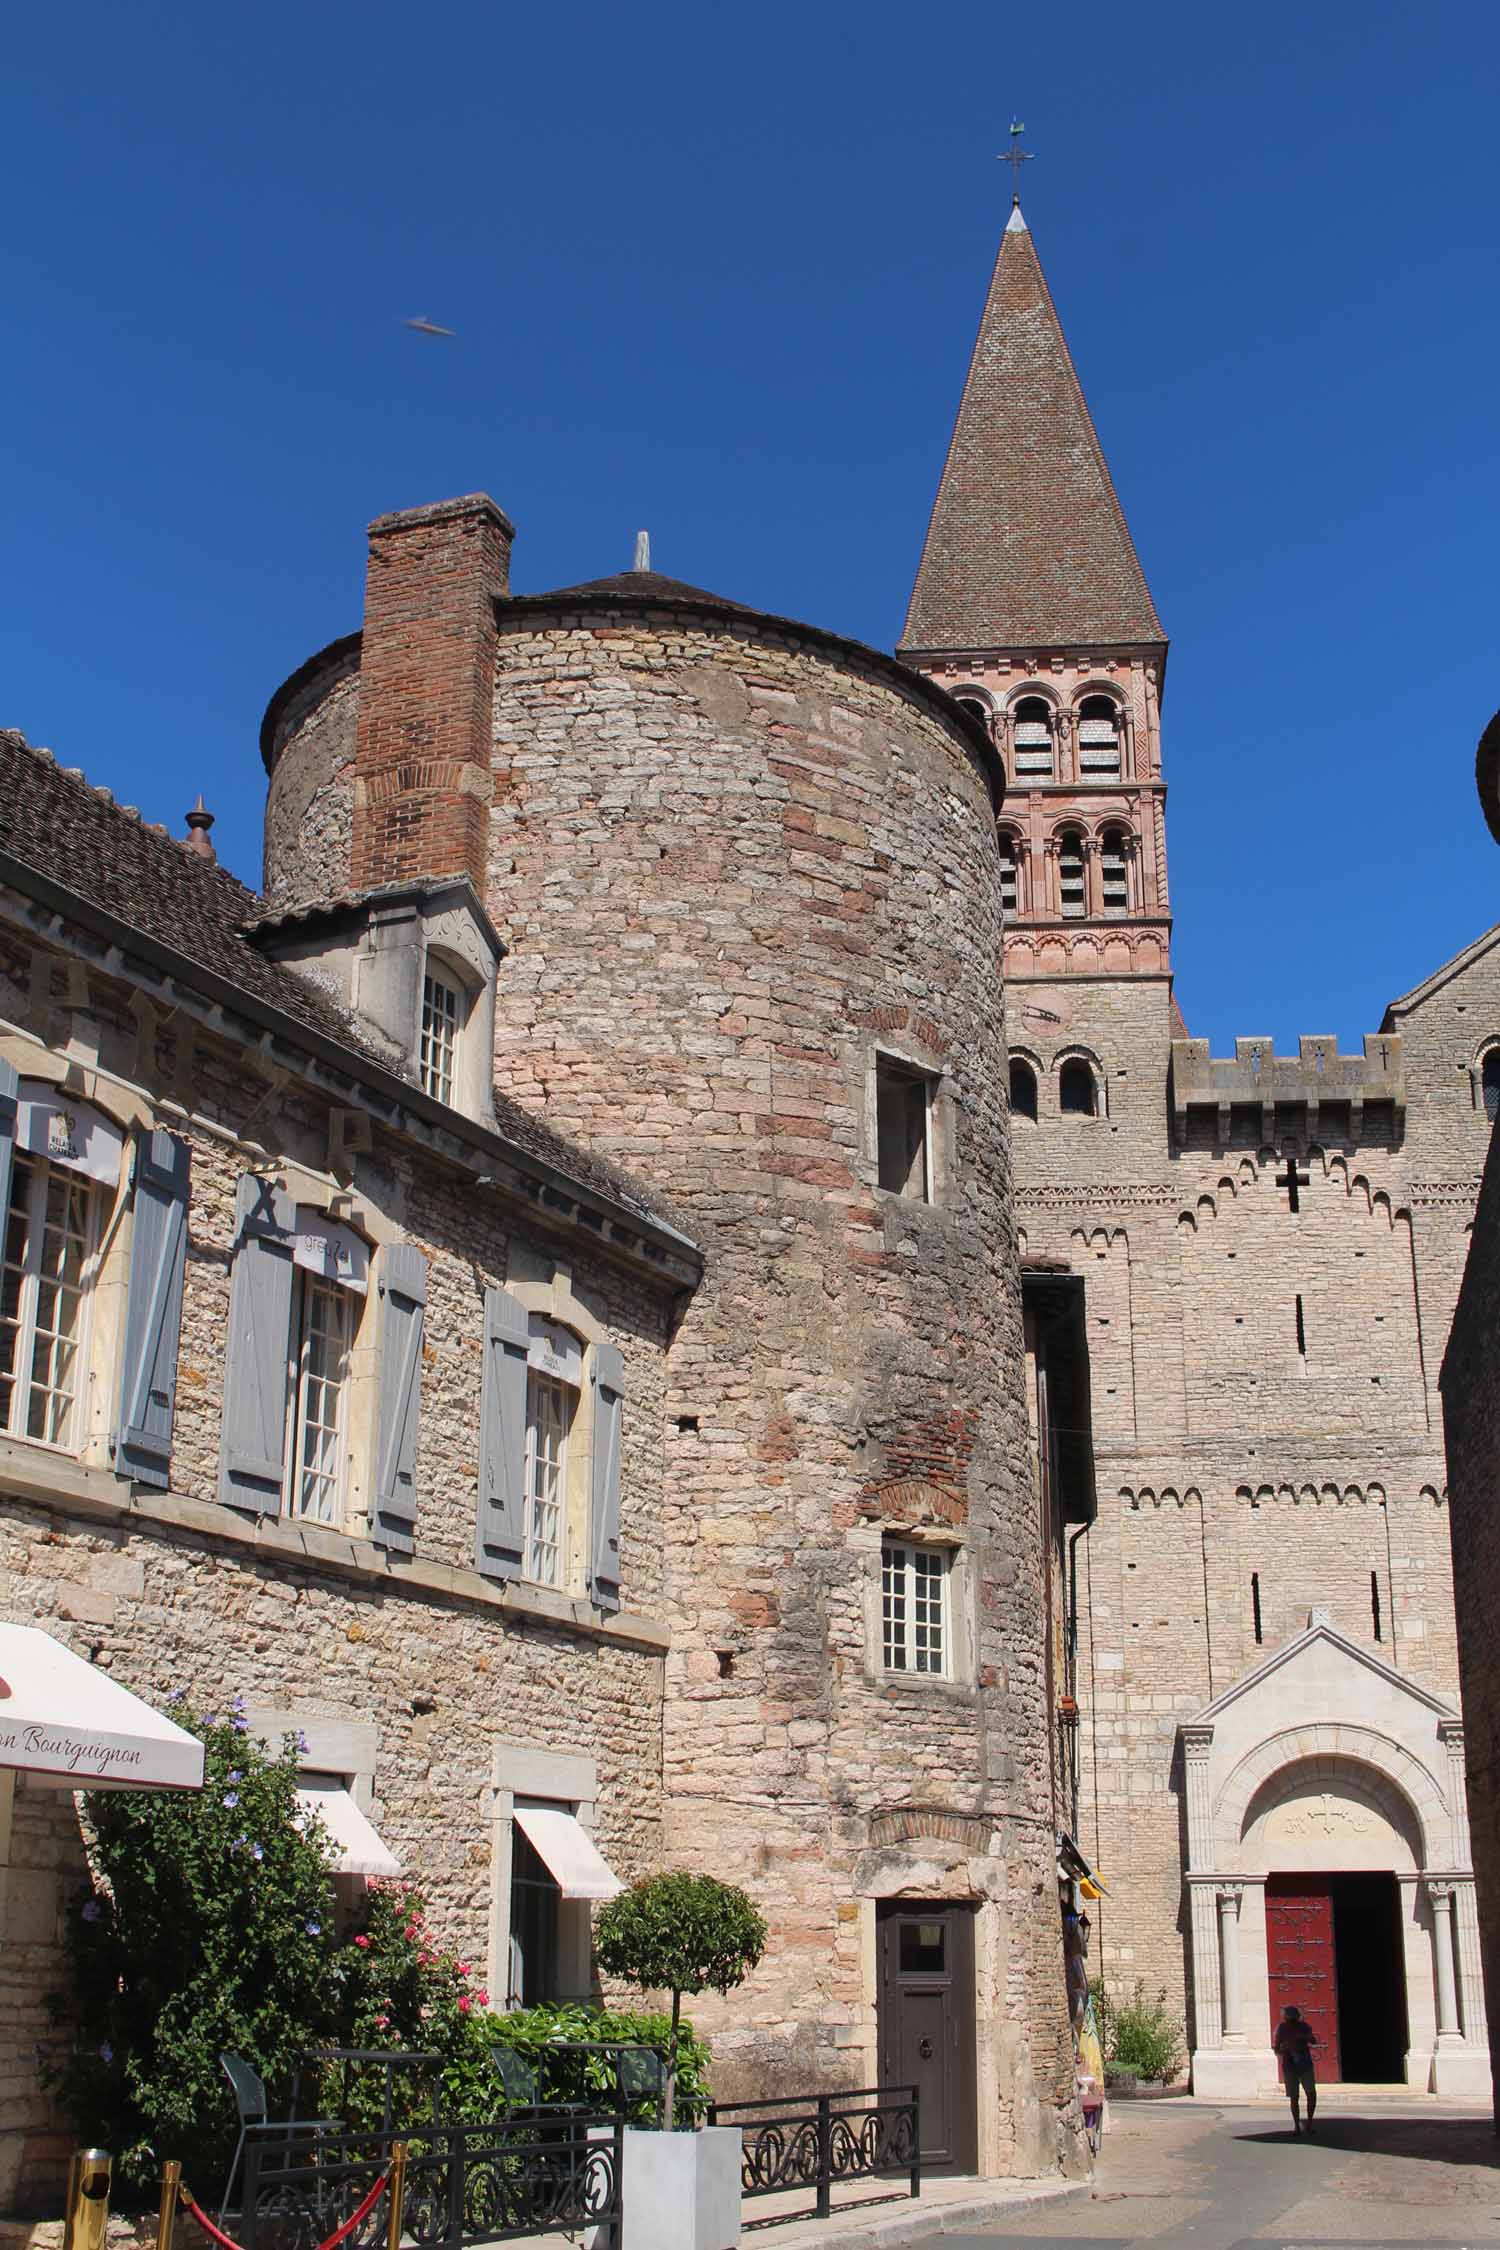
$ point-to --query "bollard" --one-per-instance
(87, 2216)
(397, 2193)
(171, 2188)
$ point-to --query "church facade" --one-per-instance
(1269, 1751)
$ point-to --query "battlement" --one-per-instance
(1316, 1079)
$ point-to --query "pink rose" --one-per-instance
(363, 1943)
(464, 2005)
(483, 1998)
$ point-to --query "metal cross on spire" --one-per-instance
(1015, 156)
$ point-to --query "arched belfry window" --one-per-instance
(1489, 1084)
(1010, 873)
(976, 709)
(1033, 738)
(1072, 897)
(1022, 1089)
(1077, 1092)
(1099, 738)
(1114, 871)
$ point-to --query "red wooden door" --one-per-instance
(1300, 1960)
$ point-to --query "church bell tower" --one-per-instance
(1030, 605)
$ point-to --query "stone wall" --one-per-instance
(731, 868)
(309, 828)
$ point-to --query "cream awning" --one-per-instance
(72, 1725)
(358, 1849)
(569, 1853)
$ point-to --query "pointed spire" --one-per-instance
(199, 822)
(1027, 547)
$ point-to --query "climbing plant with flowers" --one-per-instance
(397, 1986)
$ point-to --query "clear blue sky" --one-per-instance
(717, 271)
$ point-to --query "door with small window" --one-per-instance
(926, 2022)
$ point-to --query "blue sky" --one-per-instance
(717, 272)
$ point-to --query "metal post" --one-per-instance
(166, 2217)
(825, 2158)
(396, 2192)
(87, 2217)
(249, 2192)
(617, 2222)
(457, 2149)
(916, 2140)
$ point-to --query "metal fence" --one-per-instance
(822, 2141)
(531, 2173)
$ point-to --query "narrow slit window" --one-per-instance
(1375, 1618)
(903, 1127)
(915, 1634)
(1255, 1605)
(1301, 1336)
(1071, 893)
(442, 1016)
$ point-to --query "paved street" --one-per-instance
(1378, 2172)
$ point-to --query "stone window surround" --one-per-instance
(911, 1054)
(1488, 1046)
(1065, 714)
(867, 1541)
(551, 1777)
(1077, 1053)
(554, 1299)
(346, 1747)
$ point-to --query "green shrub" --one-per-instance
(1143, 2036)
(209, 1926)
(677, 1934)
(542, 2036)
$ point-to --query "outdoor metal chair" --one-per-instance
(255, 2118)
(641, 2075)
(517, 2076)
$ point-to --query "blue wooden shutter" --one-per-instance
(253, 1448)
(153, 1308)
(502, 1437)
(403, 1289)
(608, 1381)
(10, 1081)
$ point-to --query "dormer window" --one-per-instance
(1033, 738)
(442, 1019)
(1099, 739)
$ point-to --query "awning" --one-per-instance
(357, 1848)
(570, 1855)
(71, 1724)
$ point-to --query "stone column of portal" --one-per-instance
(1460, 2060)
(1440, 1895)
(1230, 1895)
(1470, 1973)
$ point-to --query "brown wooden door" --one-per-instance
(1303, 1970)
(926, 2021)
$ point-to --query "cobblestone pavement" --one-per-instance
(1378, 2172)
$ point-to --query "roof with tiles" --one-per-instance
(104, 853)
(1027, 546)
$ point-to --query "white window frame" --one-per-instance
(916, 1594)
(549, 1420)
(445, 1006)
(23, 1385)
(313, 1290)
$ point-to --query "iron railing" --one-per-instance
(534, 2172)
(822, 2141)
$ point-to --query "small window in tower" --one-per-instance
(1255, 1605)
(1077, 1093)
(1490, 1084)
(903, 1102)
(442, 1018)
(914, 1581)
(1010, 875)
(1033, 738)
(1375, 1617)
(1070, 876)
(1022, 1089)
(1114, 872)
(1099, 738)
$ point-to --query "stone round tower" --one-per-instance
(747, 873)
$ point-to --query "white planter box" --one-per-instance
(681, 2191)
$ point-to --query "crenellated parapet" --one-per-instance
(1329, 1090)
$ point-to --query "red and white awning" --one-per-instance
(70, 1724)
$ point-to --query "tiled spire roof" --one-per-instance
(1027, 546)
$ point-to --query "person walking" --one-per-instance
(1294, 2042)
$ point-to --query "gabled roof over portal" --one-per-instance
(1257, 1679)
(1028, 545)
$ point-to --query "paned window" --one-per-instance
(320, 1377)
(1032, 736)
(902, 1125)
(442, 1017)
(915, 1633)
(51, 1236)
(1010, 875)
(1114, 873)
(550, 1407)
(1099, 738)
(1070, 875)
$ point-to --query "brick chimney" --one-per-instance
(426, 691)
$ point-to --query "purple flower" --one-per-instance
(106, 2052)
(177, 1695)
(302, 1743)
(231, 1798)
(91, 1911)
(256, 1852)
(315, 1929)
(236, 1775)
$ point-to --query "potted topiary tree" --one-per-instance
(677, 1934)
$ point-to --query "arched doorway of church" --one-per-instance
(1340, 1849)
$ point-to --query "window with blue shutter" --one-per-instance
(608, 1381)
(500, 1527)
(10, 1086)
(253, 1444)
(153, 1308)
(403, 1294)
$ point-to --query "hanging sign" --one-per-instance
(67, 1132)
(328, 1247)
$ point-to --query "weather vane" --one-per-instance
(1015, 156)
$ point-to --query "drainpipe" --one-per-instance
(1075, 1762)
